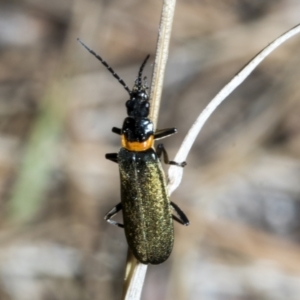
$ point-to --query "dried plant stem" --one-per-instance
(134, 277)
(162, 49)
(175, 173)
(135, 271)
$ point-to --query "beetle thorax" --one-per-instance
(137, 129)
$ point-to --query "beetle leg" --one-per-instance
(112, 156)
(160, 150)
(182, 217)
(162, 133)
(112, 213)
(116, 130)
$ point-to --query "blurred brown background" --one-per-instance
(241, 188)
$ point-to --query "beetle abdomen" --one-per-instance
(146, 208)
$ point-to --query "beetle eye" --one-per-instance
(129, 104)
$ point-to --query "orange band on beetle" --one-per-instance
(137, 146)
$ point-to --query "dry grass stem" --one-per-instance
(175, 173)
(162, 50)
(134, 277)
(135, 271)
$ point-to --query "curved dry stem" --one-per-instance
(175, 173)
(136, 271)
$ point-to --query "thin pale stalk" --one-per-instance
(175, 173)
(162, 50)
(135, 271)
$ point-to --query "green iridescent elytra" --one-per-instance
(146, 206)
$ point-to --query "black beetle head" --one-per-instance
(138, 105)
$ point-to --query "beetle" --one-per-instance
(147, 210)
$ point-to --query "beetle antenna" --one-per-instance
(107, 66)
(139, 79)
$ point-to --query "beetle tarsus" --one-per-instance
(160, 150)
(183, 220)
(112, 213)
